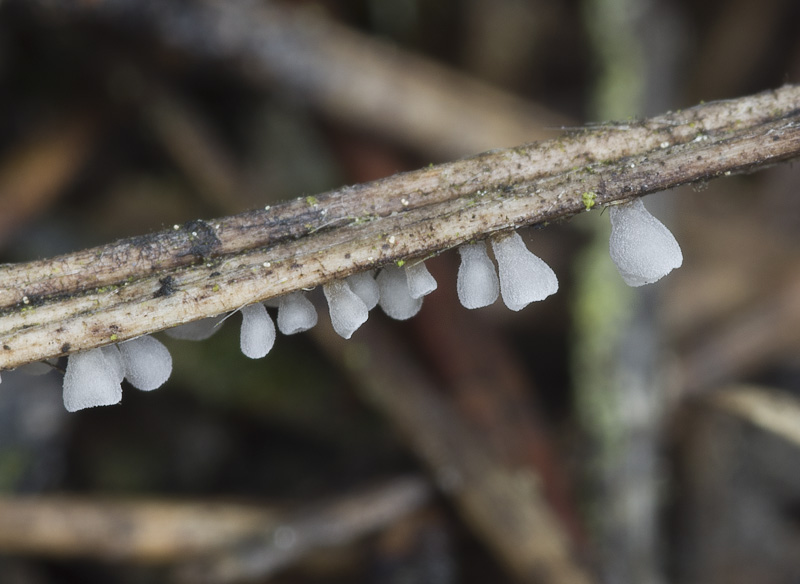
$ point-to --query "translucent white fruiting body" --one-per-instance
(348, 311)
(146, 362)
(114, 360)
(420, 281)
(365, 287)
(257, 334)
(296, 313)
(89, 382)
(642, 248)
(524, 278)
(199, 330)
(477, 283)
(396, 300)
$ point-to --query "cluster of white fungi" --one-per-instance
(642, 248)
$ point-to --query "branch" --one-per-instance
(219, 542)
(202, 268)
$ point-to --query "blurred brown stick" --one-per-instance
(148, 531)
(503, 504)
(219, 542)
(770, 410)
(334, 525)
(34, 173)
(199, 269)
(186, 135)
(749, 339)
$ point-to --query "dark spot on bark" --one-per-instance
(35, 300)
(214, 274)
(65, 348)
(167, 287)
(203, 238)
(347, 256)
(385, 246)
(296, 266)
(6, 347)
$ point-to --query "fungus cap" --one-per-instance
(477, 283)
(524, 278)
(420, 281)
(347, 310)
(146, 362)
(90, 381)
(296, 314)
(257, 335)
(641, 247)
(396, 300)
(365, 287)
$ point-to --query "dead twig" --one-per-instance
(770, 410)
(747, 340)
(145, 531)
(203, 268)
(212, 542)
(331, 526)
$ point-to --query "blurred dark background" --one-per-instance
(650, 435)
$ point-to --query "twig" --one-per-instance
(746, 341)
(334, 525)
(219, 542)
(203, 268)
(768, 409)
(145, 531)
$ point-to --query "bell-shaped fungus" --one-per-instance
(524, 278)
(477, 283)
(90, 381)
(396, 300)
(146, 362)
(642, 248)
(420, 281)
(365, 287)
(296, 313)
(257, 334)
(348, 311)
